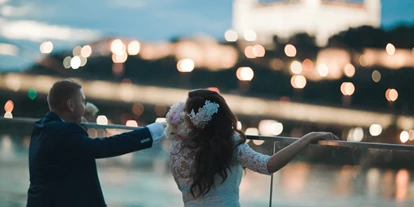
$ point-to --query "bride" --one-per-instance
(208, 152)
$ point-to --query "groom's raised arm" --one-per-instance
(78, 143)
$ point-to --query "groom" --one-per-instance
(62, 156)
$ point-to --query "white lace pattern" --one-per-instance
(181, 160)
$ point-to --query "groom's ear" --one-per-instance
(70, 105)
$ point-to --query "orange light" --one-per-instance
(290, 50)
(9, 106)
(349, 70)
(119, 57)
(259, 51)
(248, 51)
(86, 51)
(347, 88)
(391, 95)
(307, 64)
(298, 81)
(213, 89)
(138, 109)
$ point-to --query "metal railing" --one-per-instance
(281, 139)
(274, 139)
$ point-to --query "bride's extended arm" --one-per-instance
(266, 164)
(285, 155)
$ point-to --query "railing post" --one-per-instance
(271, 177)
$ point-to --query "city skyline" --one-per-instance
(67, 23)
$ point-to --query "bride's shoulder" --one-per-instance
(237, 138)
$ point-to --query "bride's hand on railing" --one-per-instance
(316, 136)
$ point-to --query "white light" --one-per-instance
(252, 131)
(298, 81)
(296, 67)
(356, 135)
(102, 120)
(239, 125)
(46, 47)
(119, 57)
(245, 73)
(66, 62)
(323, 70)
(258, 142)
(8, 49)
(117, 47)
(347, 88)
(411, 133)
(84, 60)
(270, 127)
(375, 130)
(131, 123)
(250, 35)
(8, 115)
(160, 119)
(390, 48)
(231, 36)
(13, 82)
(185, 65)
(86, 51)
(276, 128)
(404, 136)
(75, 62)
(134, 47)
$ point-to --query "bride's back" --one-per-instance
(221, 193)
(208, 151)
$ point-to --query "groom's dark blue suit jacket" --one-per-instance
(62, 162)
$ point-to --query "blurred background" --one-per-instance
(285, 67)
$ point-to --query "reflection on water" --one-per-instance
(6, 146)
(294, 178)
(402, 179)
(344, 184)
(143, 178)
(373, 181)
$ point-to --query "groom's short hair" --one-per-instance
(61, 92)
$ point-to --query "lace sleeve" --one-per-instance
(251, 159)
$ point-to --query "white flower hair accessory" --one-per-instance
(204, 115)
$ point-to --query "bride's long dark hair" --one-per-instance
(214, 143)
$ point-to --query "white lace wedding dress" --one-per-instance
(221, 194)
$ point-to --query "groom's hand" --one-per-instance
(164, 124)
(157, 131)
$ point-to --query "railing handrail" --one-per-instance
(283, 139)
